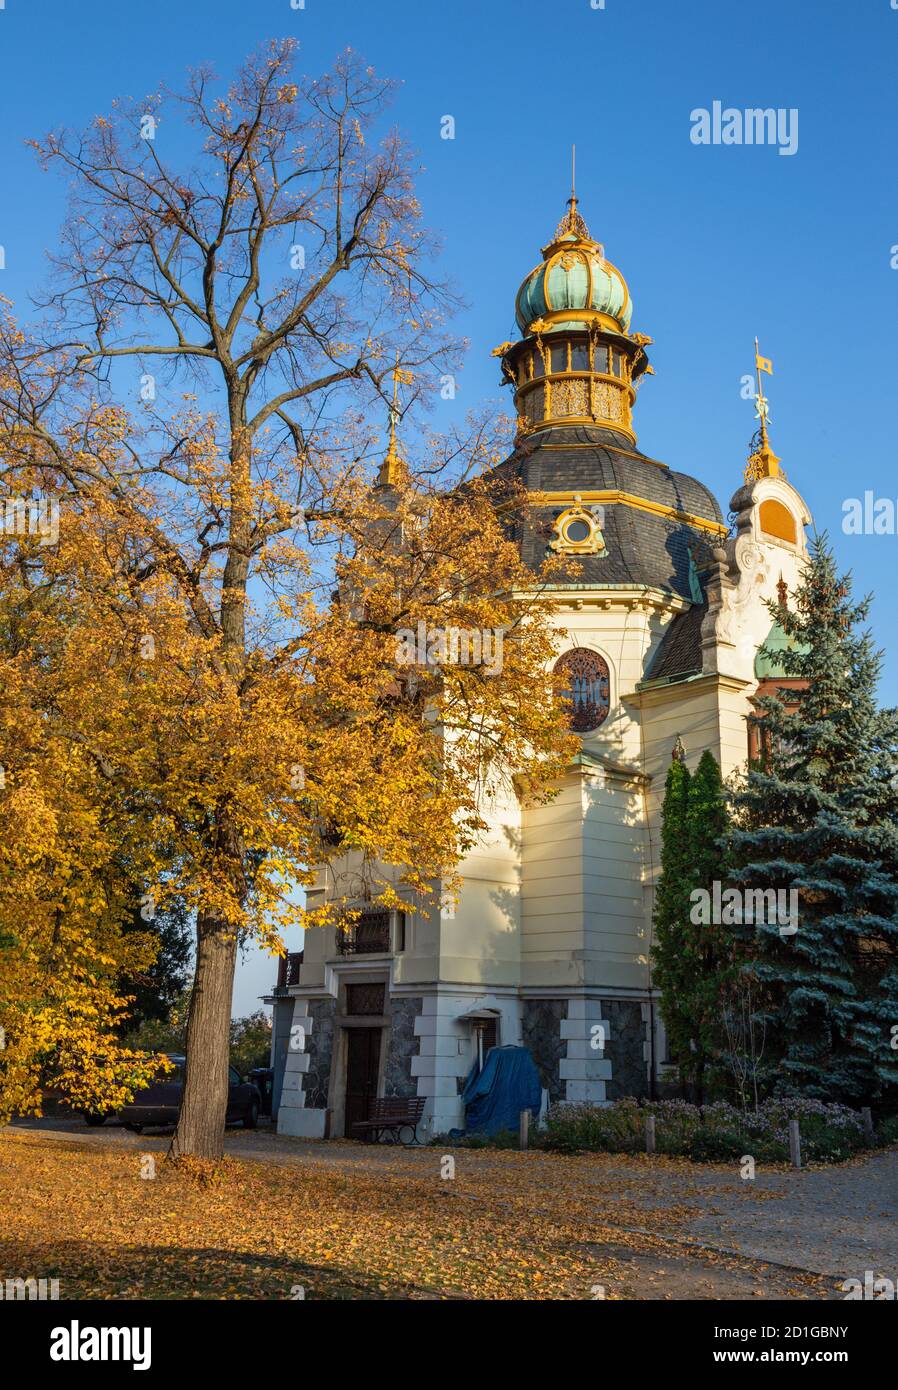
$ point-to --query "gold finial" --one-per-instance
(572, 221)
(389, 469)
(762, 461)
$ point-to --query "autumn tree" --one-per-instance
(241, 573)
(68, 970)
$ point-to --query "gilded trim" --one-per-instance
(573, 421)
(564, 422)
(585, 316)
(629, 499)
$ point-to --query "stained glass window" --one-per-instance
(587, 688)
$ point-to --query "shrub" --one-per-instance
(719, 1132)
(715, 1145)
(618, 1128)
(887, 1130)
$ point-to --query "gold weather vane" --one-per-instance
(762, 364)
(389, 469)
(762, 461)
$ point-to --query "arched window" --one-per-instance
(776, 520)
(587, 687)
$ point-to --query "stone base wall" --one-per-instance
(307, 1069)
(627, 1048)
(320, 1051)
(282, 1017)
(586, 1070)
(541, 1021)
(402, 1045)
(586, 1050)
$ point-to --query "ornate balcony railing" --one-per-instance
(369, 934)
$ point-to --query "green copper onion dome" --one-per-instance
(574, 285)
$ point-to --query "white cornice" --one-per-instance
(681, 690)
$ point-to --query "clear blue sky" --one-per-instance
(718, 243)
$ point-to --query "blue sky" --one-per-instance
(718, 243)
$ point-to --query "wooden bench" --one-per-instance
(391, 1115)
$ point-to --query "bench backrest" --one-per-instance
(395, 1107)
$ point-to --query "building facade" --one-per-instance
(658, 632)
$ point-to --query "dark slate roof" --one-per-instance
(642, 548)
(680, 652)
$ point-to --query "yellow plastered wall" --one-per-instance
(583, 861)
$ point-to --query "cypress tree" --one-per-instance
(671, 915)
(692, 954)
(817, 816)
(709, 945)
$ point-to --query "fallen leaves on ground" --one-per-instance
(507, 1226)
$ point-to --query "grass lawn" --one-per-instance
(507, 1225)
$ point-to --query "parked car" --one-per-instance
(263, 1077)
(160, 1102)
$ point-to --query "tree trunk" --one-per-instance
(201, 1124)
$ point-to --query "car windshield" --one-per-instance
(174, 1073)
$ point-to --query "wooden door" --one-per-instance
(362, 1063)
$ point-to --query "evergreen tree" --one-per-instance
(671, 915)
(251, 1042)
(710, 944)
(692, 954)
(817, 816)
(156, 990)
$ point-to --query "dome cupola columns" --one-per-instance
(577, 361)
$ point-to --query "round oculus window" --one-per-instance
(577, 531)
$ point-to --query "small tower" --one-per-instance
(577, 362)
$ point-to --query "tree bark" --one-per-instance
(204, 1103)
(201, 1123)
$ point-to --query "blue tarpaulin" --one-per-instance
(495, 1096)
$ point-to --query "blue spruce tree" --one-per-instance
(817, 818)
